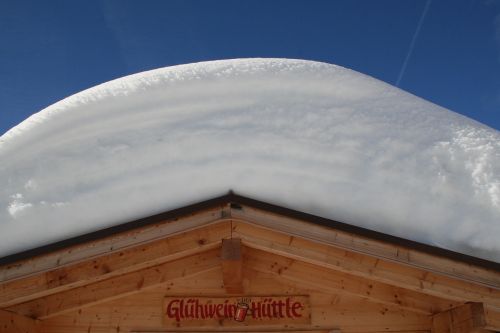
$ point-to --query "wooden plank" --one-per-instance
(119, 286)
(351, 313)
(467, 318)
(113, 264)
(143, 312)
(114, 243)
(292, 226)
(236, 311)
(312, 330)
(492, 317)
(14, 323)
(211, 285)
(302, 274)
(363, 266)
(232, 265)
(364, 245)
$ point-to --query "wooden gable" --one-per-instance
(355, 280)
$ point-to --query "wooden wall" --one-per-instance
(354, 284)
(329, 310)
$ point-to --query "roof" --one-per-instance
(238, 202)
(314, 137)
(233, 245)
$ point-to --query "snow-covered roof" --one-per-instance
(310, 136)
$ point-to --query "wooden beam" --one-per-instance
(11, 322)
(114, 243)
(363, 265)
(232, 265)
(293, 226)
(492, 318)
(143, 311)
(113, 264)
(304, 275)
(120, 286)
(468, 318)
(311, 330)
(364, 245)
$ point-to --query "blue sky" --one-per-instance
(52, 49)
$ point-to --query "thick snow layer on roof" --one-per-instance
(309, 136)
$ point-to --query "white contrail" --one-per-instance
(412, 44)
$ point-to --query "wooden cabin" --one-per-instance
(233, 264)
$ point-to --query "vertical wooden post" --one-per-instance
(468, 318)
(11, 322)
(232, 265)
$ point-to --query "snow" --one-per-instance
(310, 136)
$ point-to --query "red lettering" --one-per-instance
(295, 307)
(232, 310)
(189, 309)
(275, 309)
(219, 309)
(255, 309)
(181, 309)
(288, 314)
(172, 310)
(266, 308)
(226, 314)
(199, 310)
(210, 310)
(280, 306)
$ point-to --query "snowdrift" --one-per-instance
(309, 136)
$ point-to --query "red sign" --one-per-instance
(192, 311)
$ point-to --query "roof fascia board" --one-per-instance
(236, 202)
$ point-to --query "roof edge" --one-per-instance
(236, 201)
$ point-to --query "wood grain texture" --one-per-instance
(364, 245)
(298, 273)
(363, 265)
(113, 264)
(14, 323)
(123, 285)
(119, 241)
(236, 311)
(144, 311)
(232, 265)
(467, 318)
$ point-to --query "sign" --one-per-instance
(236, 311)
